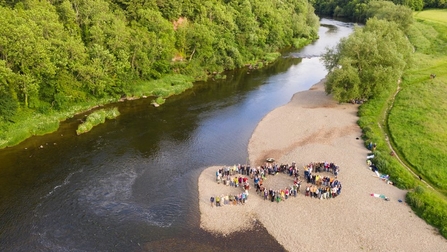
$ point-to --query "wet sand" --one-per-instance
(313, 127)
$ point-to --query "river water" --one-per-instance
(131, 184)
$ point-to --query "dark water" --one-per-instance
(131, 183)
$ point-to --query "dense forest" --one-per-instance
(56, 55)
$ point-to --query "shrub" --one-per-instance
(270, 57)
(160, 100)
(84, 128)
(95, 118)
(112, 113)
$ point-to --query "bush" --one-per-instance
(96, 118)
(8, 106)
(300, 42)
(160, 100)
(84, 128)
(270, 57)
(161, 92)
(112, 113)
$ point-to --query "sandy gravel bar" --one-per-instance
(313, 127)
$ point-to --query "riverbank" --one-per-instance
(28, 123)
(313, 127)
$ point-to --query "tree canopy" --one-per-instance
(54, 54)
(367, 62)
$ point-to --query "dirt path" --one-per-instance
(385, 119)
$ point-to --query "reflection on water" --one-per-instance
(131, 184)
(330, 31)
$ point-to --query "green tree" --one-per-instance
(344, 83)
(26, 50)
(8, 103)
(367, 62)
(402, 15)
(162, 41)
(200, 40)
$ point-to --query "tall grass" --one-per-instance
(36, 124)
(164, 87)
(95, 118)
(47, 120)
(27, 123)
(430, 207)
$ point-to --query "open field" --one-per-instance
(417, 124)
(433, 15)
(417, 121)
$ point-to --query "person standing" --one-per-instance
(244, 198)
(217, 201)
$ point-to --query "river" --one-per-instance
(131, 184)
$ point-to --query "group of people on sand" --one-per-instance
(320, 167)
(270, 168)
(232, 176)
(232, 199)
(324, 191)
(280, 194)
(319, 186)
(236, 181)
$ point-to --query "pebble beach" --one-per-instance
(313, 127)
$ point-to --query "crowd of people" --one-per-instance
(319, 183)
(320, 186)
(232, 199)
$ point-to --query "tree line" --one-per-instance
(54, 54)
(358, 9)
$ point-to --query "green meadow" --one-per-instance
(415, 122)
(433, 15)
(418, 122)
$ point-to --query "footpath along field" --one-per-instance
(416, 123)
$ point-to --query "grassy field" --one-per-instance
(433, 15)
(417, 123)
